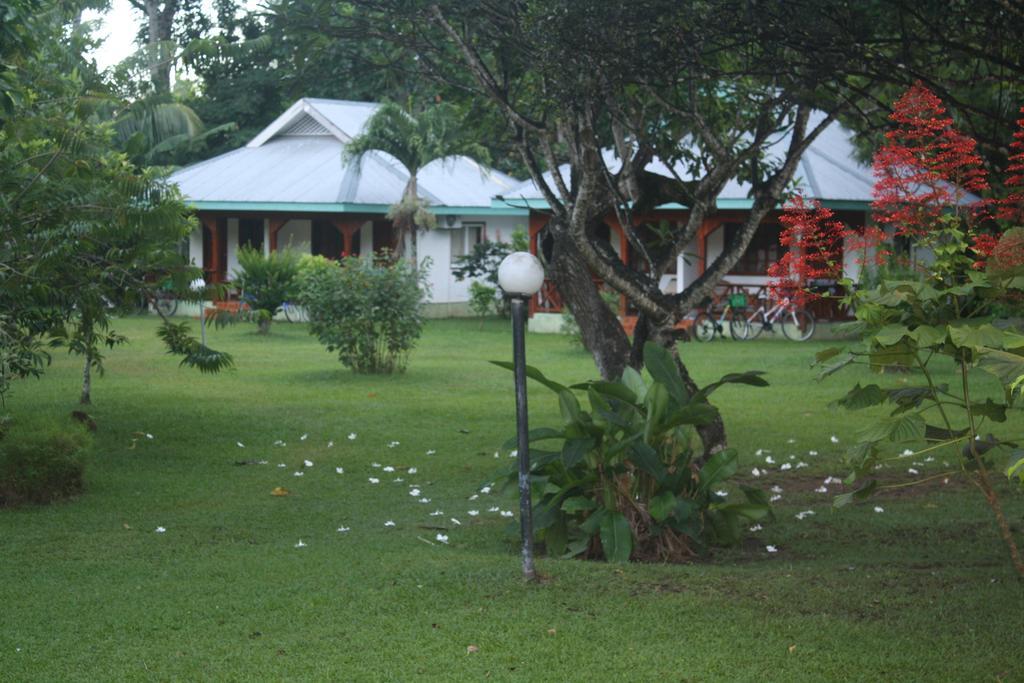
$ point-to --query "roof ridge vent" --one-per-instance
(304, 125)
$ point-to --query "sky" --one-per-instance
(118, 29)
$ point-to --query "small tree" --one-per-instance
(414, 140)
(267, 282)
(370, 313)
(924, 172)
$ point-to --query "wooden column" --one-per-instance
(348, 230)
(275, 227)
(212, 269)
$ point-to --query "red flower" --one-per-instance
(815, 240)
(926, 167)
(1011, 207)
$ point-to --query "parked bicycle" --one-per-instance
(797, 324)
(705, 326)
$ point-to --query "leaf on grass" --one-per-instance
(863, 493)
(280, 491)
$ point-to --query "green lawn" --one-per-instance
(922, 591)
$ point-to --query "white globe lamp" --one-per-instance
(521, 274)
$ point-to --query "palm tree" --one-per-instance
(414, 140)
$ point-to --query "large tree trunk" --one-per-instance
(600, 329)
(160, 57)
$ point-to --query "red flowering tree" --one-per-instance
(928, 184)
(1011, 207)
(814, 240)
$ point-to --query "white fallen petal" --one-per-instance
(398, 480)
(906, 453)
(303, 437)
(805, 513)
(821, 489)
(833, 480)
(911, 470)
(771, 549)
(474, 496)
(424, 500)
(801, 464)
(240, 444)
(343, 529)
(160, 530)
(443, 538)
(414, 492)
(389, 468)
(339, 470)
(412, 470)
(330, 444)
(785, 466)
(756, 527)
(775, 498)
(507, 513)
(375, 464)
(300, 544)
(455, 521)
(723, 494)
(374, 480)
(431, 451)
(352, 436)
(148, 435)
(776, 489)
(812, 452)
(307, 463)
(298, 473)
(494, 509)
(769, 459)
(473, 513)
(790, 440)
(281, 464)
(834, 439)
(759, 452)
(756, 472)
(879, 508)
(279, 443)
(486, 489)
(389, 523)
(436, 513)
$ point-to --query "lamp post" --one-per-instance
(521, 276)
(198, 285)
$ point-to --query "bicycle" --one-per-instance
(796, 323)
(705, 327)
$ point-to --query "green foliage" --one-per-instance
(626, 482)
(41, 462)
(482, 299)
(267, 282)
(370, 313)
(912, 323)
(87, 235)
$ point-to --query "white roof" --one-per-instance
(828, 170)
(297, 159)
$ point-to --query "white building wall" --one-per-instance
(195, 248)
(296, 235)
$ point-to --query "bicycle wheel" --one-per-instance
(798, 325)
(703, 327)
(166, 305)
(755, 326)
(739, 327)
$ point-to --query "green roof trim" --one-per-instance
(312, 207)
(837, 204)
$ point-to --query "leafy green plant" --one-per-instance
(267, 282)
(482, 299)
(370, 313)
(41, 463)
(627, 482)
(913, 324)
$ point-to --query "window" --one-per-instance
(764, 249)
(465, 238)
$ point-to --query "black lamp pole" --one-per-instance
(522, 433)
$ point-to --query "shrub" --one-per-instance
(41, 463)
(370, 313)
(626, 482)
(482, 298)
(267, 281)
